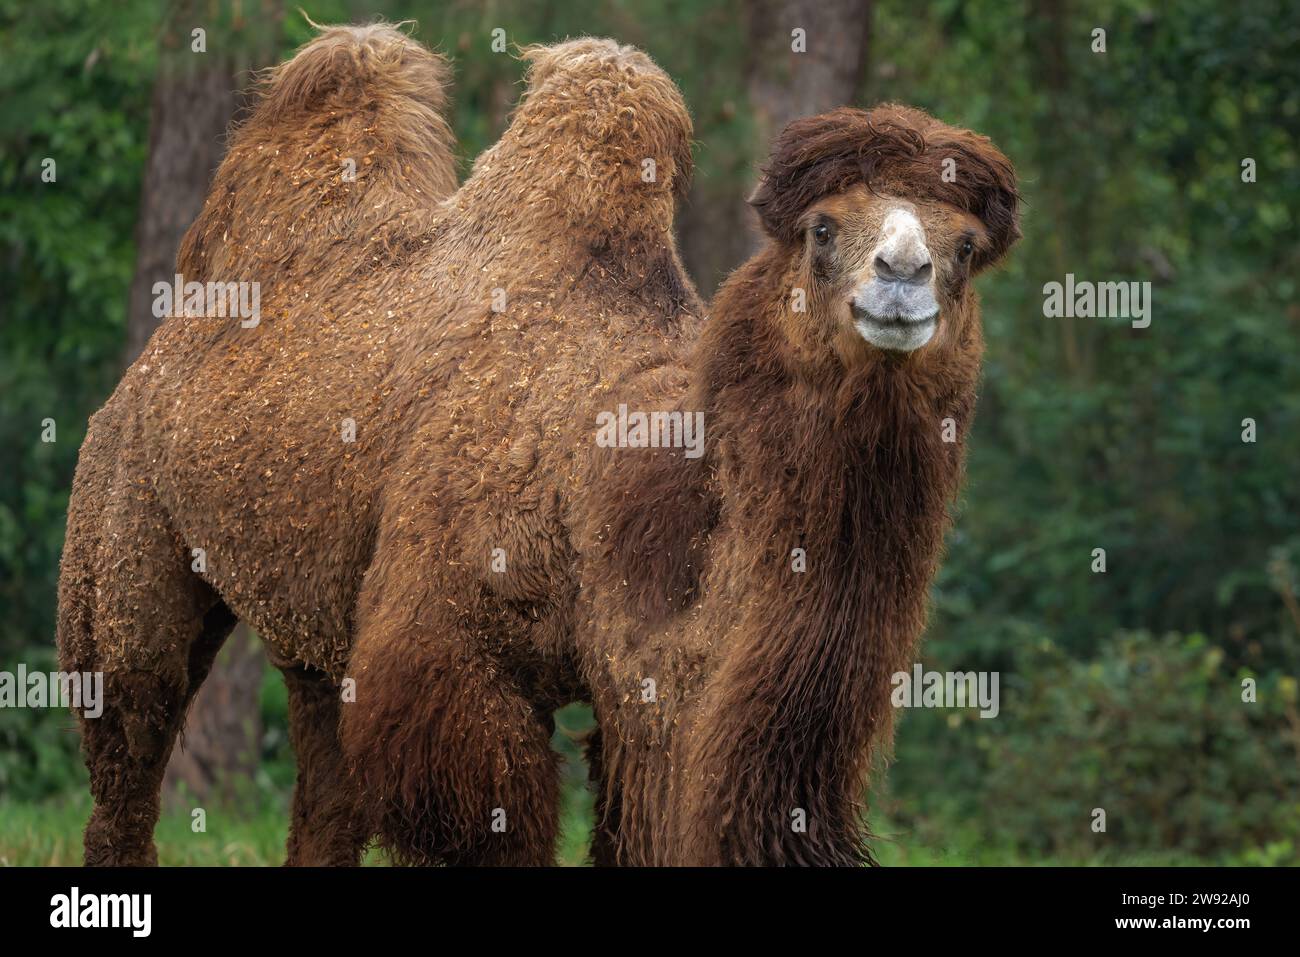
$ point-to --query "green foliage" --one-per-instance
(1092, 434)
(76, 81)
(1153, 730)
(39, 748)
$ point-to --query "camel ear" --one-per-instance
(761, 199)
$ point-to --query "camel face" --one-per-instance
(893, 270)
(887, 214)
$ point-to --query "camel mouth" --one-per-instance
(899, 317)
(897, 335)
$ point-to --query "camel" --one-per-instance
(399, 476)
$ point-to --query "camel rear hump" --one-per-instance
(346, 145)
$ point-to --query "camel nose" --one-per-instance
(903, 266)
(902, 255)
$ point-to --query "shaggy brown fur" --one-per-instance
(366, 101)
(379, 560)
(130, 603)
(774, 683)
(372, 559)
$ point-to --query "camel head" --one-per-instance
(886, 217)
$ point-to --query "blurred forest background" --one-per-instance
(1120, 690)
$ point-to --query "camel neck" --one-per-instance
(884, 441)
(838, 494)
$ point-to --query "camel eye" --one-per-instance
(967, 248)
(821, 234)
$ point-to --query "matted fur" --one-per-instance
(371, 560)
(378, 560)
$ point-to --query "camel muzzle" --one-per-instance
(897, 316)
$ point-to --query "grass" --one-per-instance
(252, 831)
(49, 834)
(897, 848)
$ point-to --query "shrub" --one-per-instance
(1153, 731)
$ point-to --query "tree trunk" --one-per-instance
(1058, 120)
(785, 85)
(718, 231)
(221, 742)
(192, 107)
(195, 98)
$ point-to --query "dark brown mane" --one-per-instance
(889, 148)
(801, 699)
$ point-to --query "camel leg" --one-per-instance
(325, 829)
(131, 608)
(604, 832)
(455, 765)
